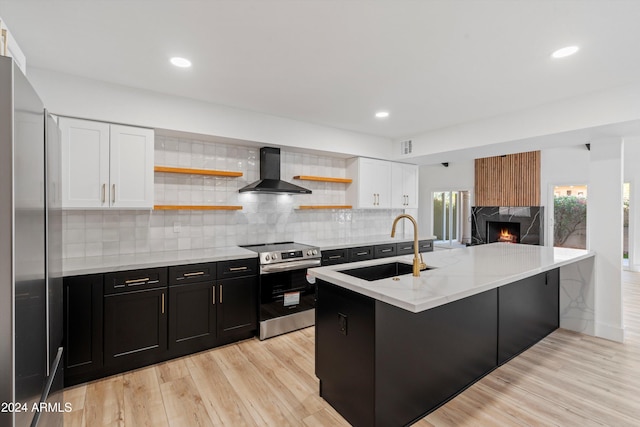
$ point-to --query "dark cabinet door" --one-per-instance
(383, 251)
(82, 323)
(361, 253)
(135, 328)
(192, 318)
(335, 256)
(528, 311)
(237, 306)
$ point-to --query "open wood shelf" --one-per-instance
(190, 171)
(323, 179)
(305, 207)
(196, 208)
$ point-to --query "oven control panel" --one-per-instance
(273, 257)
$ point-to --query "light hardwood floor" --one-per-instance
(567, 379)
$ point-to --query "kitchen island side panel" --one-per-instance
(424, 359)
(345, 338)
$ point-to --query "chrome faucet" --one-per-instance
(418, 262)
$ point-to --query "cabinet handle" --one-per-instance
(104, 192)
(128, 282)
(213, 295)
(386, 250)
(374, 199)
(199, 273)
(220, 294)
(362, 253)
(378, 199)
(113, 200)
(163, 303)
(335, 256)
(238, 268)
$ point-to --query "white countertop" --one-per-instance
(458, 273)
(350, 242)
(103, 264)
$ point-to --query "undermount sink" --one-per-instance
(381, 271)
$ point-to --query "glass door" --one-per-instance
(445, 216)
(570, 216)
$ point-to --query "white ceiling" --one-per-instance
(430, 63)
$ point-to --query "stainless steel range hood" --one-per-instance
(270, 181)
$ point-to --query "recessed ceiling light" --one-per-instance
(181, 62)
(565, 51)
(382, 114)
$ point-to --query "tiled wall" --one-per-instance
(264, 217)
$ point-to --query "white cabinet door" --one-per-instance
(131, 171)
(404, 178)
(371, 188)
(106, 166)
(85, 163)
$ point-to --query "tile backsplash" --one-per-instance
(264, 217)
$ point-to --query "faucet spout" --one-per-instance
(418, 263)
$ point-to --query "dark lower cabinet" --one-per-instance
(192, 317)
(528, 311)
(135, 328)
(237, 307)
(380, 365)
(82, 328)
(124, 320)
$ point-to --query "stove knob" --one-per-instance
(275, 256)
(267, 257)
(315, 252)
(309, 252)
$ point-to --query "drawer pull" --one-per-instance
(335, 256)
(139, 281)
(362, 253)
(386, 250)
(238, 268)
(406, 248)
(199, 273)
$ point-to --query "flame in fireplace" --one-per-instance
(505, 236)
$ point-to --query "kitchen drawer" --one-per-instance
(425, 246)
(405, 248)
(238, 268)
(335, 256)
(134, 280)
(192, 273)
(383, 251)
(360, 253)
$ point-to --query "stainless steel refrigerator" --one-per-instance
(30, 257)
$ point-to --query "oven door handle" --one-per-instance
(286, 266)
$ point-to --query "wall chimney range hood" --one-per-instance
(270, 181)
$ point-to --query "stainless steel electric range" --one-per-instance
(287, 294)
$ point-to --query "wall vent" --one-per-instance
(406, 147)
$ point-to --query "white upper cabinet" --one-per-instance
(371, 186)
(404, 184)
(105, 165)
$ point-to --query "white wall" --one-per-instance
(603, 108)
(68, 95)
(457, 176)
(632, 176)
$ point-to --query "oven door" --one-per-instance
(285, 292)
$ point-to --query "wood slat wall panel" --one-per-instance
(512, 180)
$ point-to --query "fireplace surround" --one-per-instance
(529, 220)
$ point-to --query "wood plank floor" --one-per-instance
(567, 379)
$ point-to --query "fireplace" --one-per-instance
(499, 231)
(524, 222)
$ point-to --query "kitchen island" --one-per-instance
(391, 350)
